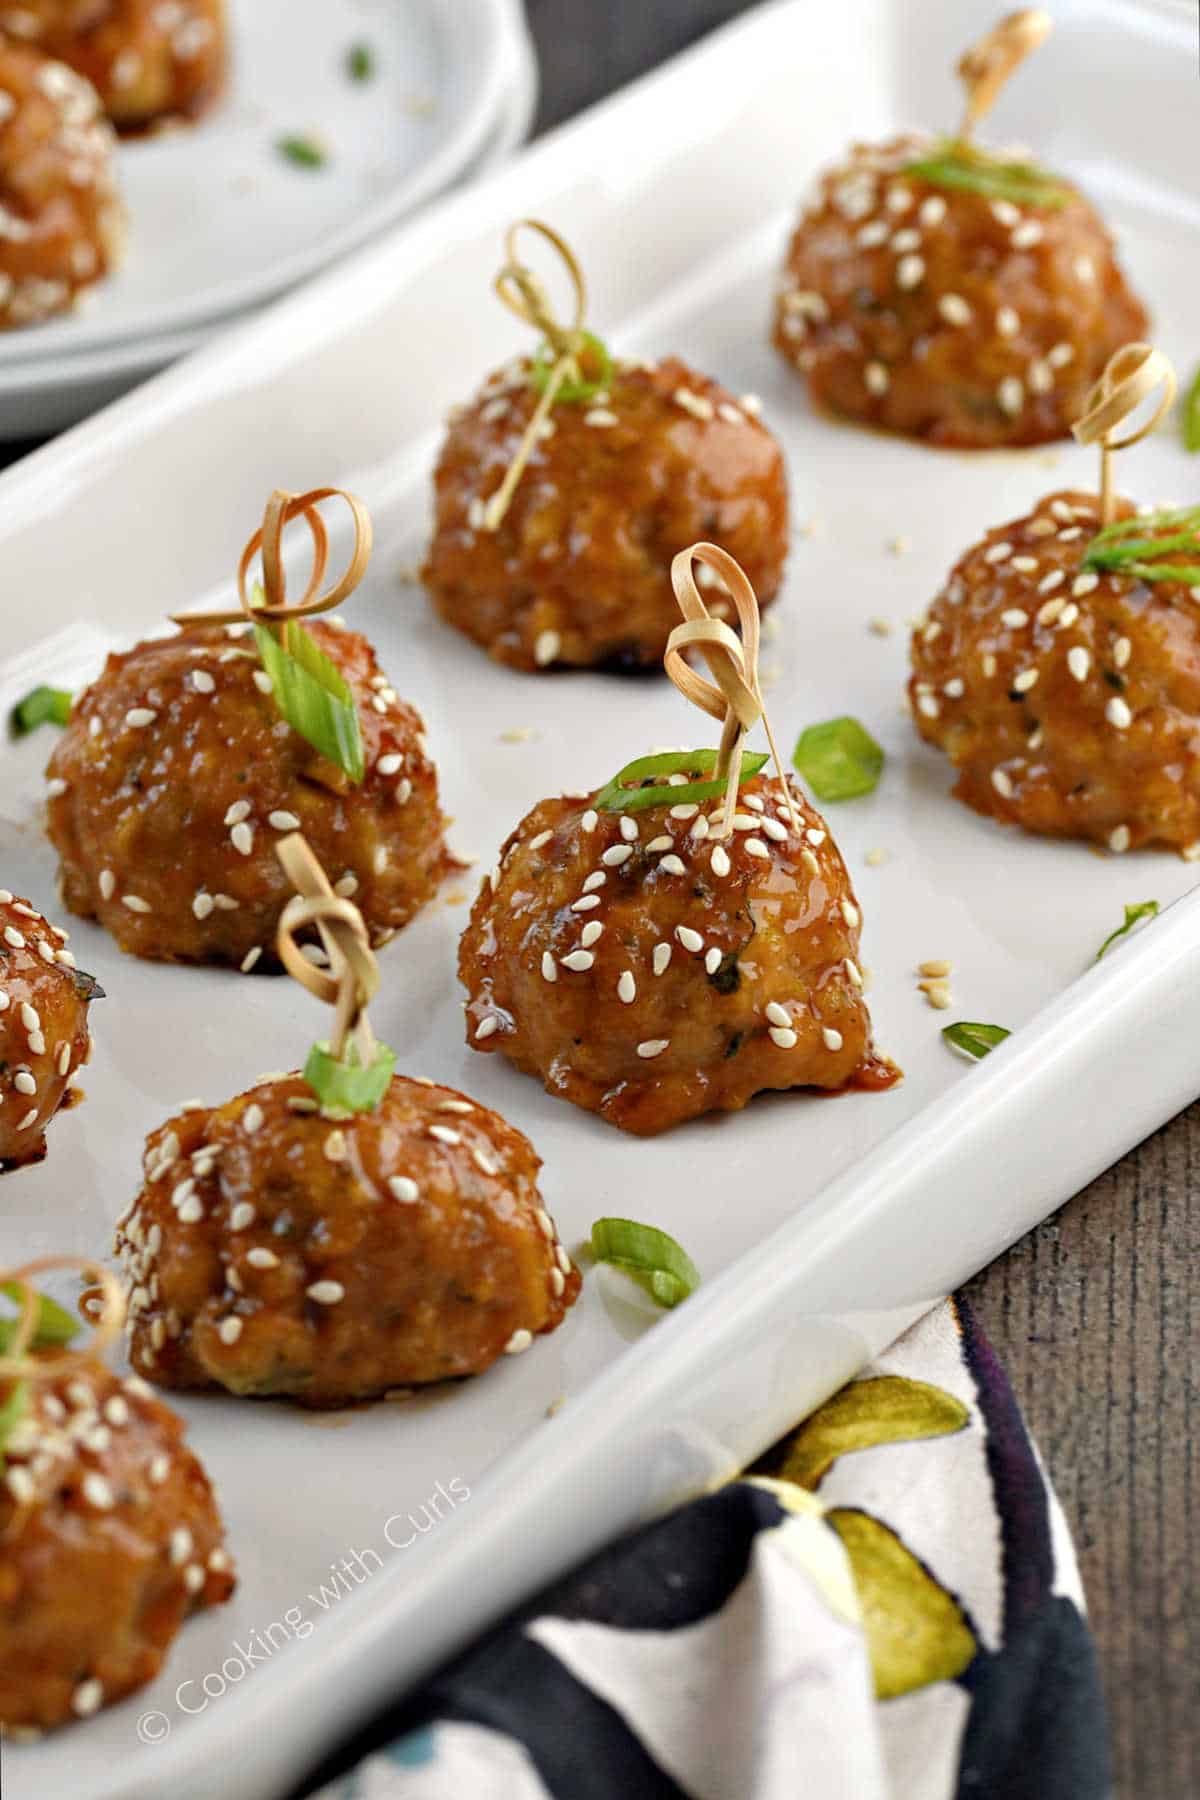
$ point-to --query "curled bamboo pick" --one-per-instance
(280, 509)
(525, 295)
(733, 695)
(1130, 375)
(352, 979)
(987, 65)
(19, 1363)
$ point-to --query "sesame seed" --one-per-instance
(562, 1259)
(544, 1223)
(1010, 396)
(776, 830)
(907, 239)
(1049, 612)
(590, 933)
(404, 1188)
(1026, 564)
(261, 1258)
(546, 647)
(712, 960)
(180, 1545)
(1049, 582)
(578, 961)
(24, 1083)
(1068, 615)
(833, 1039)
(1079, 662)
(1027, 235)
(520, 1340)
(928, 706)
(202, 905)
(599, 416)
(108, 884)
(1005, 212)
(229, 1330)
(691, 940)
(242, 838)
(590, 820)
(194, 1576)
(696, 404)
(334, 1147)
(997, 553)
(627, 988)
(1119, 839)
(13, 937)
(1007, 322)
(872, 234)
(851, 914)
(486, 1027)
(27, 1119)
(135, 903)
(652, 1047)
(1122, 650)
(263, 682)
(783, 1037)
(97, 1492)
(1084, 584)
(326, 1293)
(283, 821)
(252, 1118)
(87, 1698)
(1025, 680)
(615, 855)
(954, 309)
(237, 812)
(754, 846)
(543, 837)
(674, 865)
(876, 378)
(932, 210)
(1060, 355)
(139, 716)
(20, 1485)
(1002, 784)
(1117, 713)
(159, 1467)
(56, 787)
(629, 830)
(661, 957)
(243, 1215)
(445, 1134)
(116, 1410)
(549, 970)
(777, 1014)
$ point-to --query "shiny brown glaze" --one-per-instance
(44, 1039)
(140, 813)
(150, 61)
(784, 920)
(579, 570)
(926, 311)
(62, 224)
(1061, 757)
(366, 1286)
(109, 1538)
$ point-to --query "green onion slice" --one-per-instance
(346, 1084)
(651, 1258)
(1191, 415)
(360, 62)
(839, 759)
(1133, 546)
(312, 695)
(1143, 909)
(974, 1040)
(53, 1327)
(305, 152)
(953, 164)
(593, 353)
(12, 1410)
(43, 706)
(621, 796)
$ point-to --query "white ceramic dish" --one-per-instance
(821, 1227)
(220, 220)
(44, 394)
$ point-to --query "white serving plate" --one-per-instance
(220, 221)
(821, 1227)
(43, 394)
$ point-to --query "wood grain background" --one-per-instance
(1095, 1314)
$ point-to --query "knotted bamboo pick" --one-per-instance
(734, 695)
(275, 608)
(525, 295)
(19, 1363)
(352, 979)
(1129, 377)
(987, 65)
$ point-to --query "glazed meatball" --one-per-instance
(151, 61)
(946, 315)
(44, 1039)
(650, 974)
(109, 1538)
(1067, 700)
(176, 773)
(274, 1249)
(579, 570)
(61, 221)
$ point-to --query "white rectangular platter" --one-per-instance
(821, 1227)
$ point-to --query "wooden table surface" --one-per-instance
(1097, 1313)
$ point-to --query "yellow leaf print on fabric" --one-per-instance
(915, 1630)
(884, 1409)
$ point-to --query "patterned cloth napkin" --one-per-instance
(887, 1607)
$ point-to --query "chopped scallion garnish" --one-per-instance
(360, 62)
(651, 1258)
(1142, 909)
(54, 1325)
(312, 695)
(974, 1040)
(594, 365)
(43, 706)
(346, 1085)
(1191, 415)
(1134, 546)
(12, 1410)
(839, 759)
(621, 795)
(305, 152)
(954, 164)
